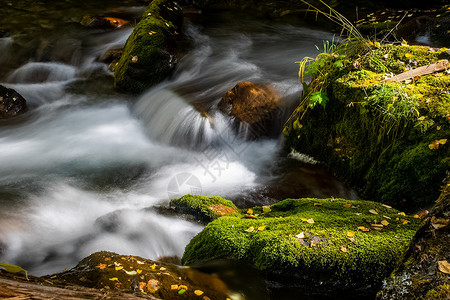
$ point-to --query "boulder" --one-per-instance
(249, 102)
(150, 52)
(11, 103)
(425, 270)
(204, 209)
(103, 22)
(136, 275)
(319, 246)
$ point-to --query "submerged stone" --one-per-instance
(11, 103)
(321, 246)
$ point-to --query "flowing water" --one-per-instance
(84, 169)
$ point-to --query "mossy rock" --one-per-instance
(420, 275)
(149, 56)
(12, 103)
(204, 209)
(134, 274)
(314, 244)
(382, 138)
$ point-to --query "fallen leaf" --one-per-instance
(434, 145)
(107, 258)
(376, 225)
(119, 268)
(198, 292)
(250, 211)
(438, 223)
(343, 249)
(387, 217)
(114, 279)
(142, 285)
(350, 233)
(438, 127)
(304, 219)
(313, 244)
(101, 266)
(174, 287)
(404, 222)
(181, 292)
(387, 206)
(385, 223)
(184, 287)
(117, 264)
(162, 269)
(310, 221)
(421, 118)
(131, 272)
(444, 266)
(138, 271)
(318, 204)
(153, 266)
(416, 216)
(373, 211)
(377, 228)
(247, 216)
(301, 235)
(443, 141)
(358, 214)
(13, 269)
(351, 239)
(140, 262)
(250, 229)
(134, 59)
(261, 228)
(347, 205)
(362, 228)
(401, 214)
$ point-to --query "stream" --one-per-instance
(84, 169)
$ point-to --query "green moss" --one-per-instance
(376, 135)
(439, 293)
(148, 56)
(204, 208)
(280, 254)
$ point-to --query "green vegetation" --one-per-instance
(203, 208)
(148, 57)
(310, 241)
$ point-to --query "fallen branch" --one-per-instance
(428, 69)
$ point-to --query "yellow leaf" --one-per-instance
(318, 204)
(404, 222)
(373, 211)
(347, 205)
(362, 228)
(385, 223)
(162, 269)
(386, 217)
(387, 206)
(343, 249)
(140, 262)
(350, 233)
(101, 266)
(153, 266)
(119, 268)
(443, 141)
(138, 271)
(409, 55)
(261, 228)
(198, 292)
(310, 221)
(416, 217)
(266, 208)
(13, 269)
(304, 219)
(377, 225)
(438, 128)
(130, 272)
(250, 211)
(421, 118)
(250, 229)
(313, 244)
(174, 287)
(404, 43)
(117, 264)
(401, 214)
(444, 266)
(114, 279)
(184, 287)
(434, 145)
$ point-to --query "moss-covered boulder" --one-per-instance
(111, 271)
(425, 271)
(204, 209)
(149, 55)
(388, 140)
(322, 246)
(11, 103)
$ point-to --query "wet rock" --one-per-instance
(421, 275)
(112, 57)
(137, 275)
(150, 54)
(103, 22)
(11, 103)
(320, 246)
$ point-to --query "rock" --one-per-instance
(422, 274)
(112, 57)
(204, 209)
(311, 244)
(149, 56)
(132, 274)
(249, 102)
(11, 103)
(103, 22)
(381, 138)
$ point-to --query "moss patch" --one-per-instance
(149, 54)
(314, 243)
(203, 208)
(378, 136)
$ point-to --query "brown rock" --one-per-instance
(11, 103)
(250, 102)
